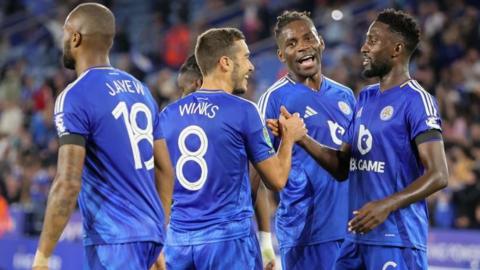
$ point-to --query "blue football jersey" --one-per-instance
(119, 120)
(385, 158)
(313, 205)
(211, 136)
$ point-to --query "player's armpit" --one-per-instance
(163, 175)
(62, 198)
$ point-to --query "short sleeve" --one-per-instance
(157, 126)
(159, 129)
(269, 109)
(70, 114)
(422, 112)
(258, 142)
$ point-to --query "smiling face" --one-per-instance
(242, 67)
(377, 51)
(300, 48)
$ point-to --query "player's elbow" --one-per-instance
(341, 174)
(441, 179)
(341, 177)
(276, 185)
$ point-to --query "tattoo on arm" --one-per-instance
(63, 195)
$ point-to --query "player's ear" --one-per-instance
(322, 43)
(225, 63)
(76, 39)
(198, 83)
(280, 55)
(398, 49)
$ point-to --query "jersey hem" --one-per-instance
(383, 243)
(201, 242)
(91, 241)
(310, 243)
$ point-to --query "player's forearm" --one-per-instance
(334, 161)
(262, 209)
(424, 186)
(284, 155)
(61, 204)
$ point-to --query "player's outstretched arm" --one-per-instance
(335, 162)
(275, 170)
(61, 201)
(432, 156)
(163, 176)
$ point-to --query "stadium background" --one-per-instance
(154, 38)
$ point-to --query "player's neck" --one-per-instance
(213, 82)
(396, 76)
(88, 61)
(313, 82)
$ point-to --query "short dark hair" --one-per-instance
(402, 23)
(289, 16)
(190, 66)
(213, 44)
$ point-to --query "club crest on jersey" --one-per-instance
(344, 107)
(359, 112)
(386, 113)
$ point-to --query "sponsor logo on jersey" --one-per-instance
(364, 145)
(335, 130)
(309, 112)
(344, 107)
(367, 165)
(386, 113)
(432, 122)
(365, 140)
(61, 130)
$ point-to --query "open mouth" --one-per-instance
(366, 61)
(306, 61)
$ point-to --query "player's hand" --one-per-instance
(160, 263)
(274, 127)
(40, 261)
(266, 247)
(369, 216)
(291, 126)
(268, 258)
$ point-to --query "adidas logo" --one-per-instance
(309, 112)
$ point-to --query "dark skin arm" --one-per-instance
(372, 214)
(163, 176)
(335, 162)
(62, 198)
(164, 184)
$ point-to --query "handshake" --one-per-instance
(288, 126)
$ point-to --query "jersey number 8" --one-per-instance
(195, 156)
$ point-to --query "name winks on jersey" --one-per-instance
(202, 108)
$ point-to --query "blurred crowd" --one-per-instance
(155, 37)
